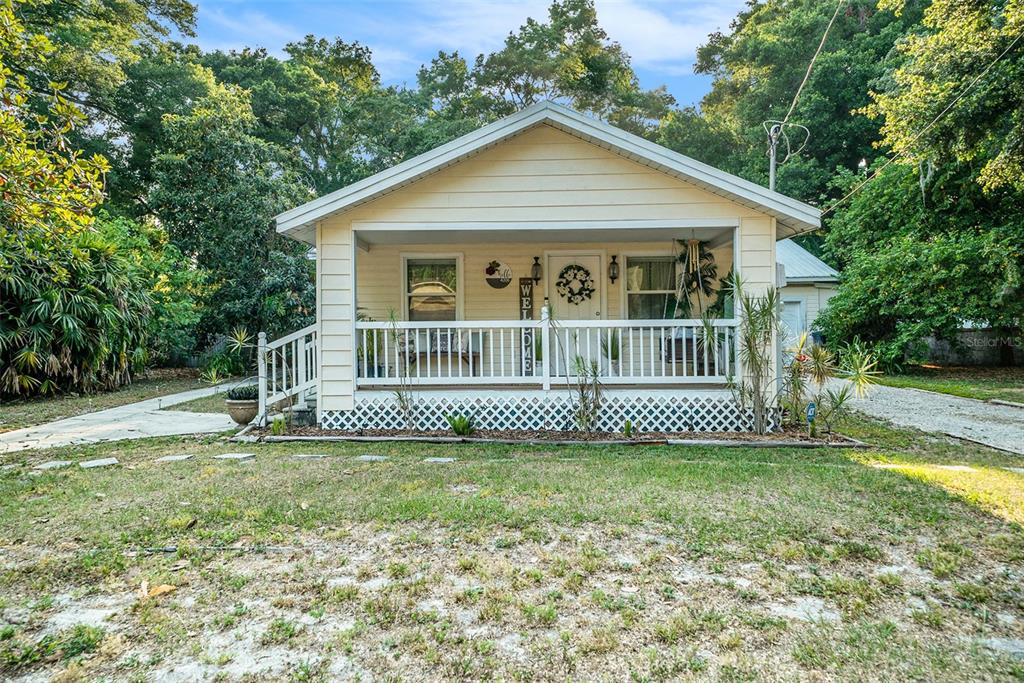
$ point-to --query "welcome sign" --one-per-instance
(526, 313)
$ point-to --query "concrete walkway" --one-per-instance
(133, 421)
(994, 425)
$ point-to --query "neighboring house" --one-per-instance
(473, 277)
(810, 283)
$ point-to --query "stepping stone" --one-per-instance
(235, 456)
(176, 458)
(101, 462)
(441, 460)
(1014, 647)
(53, 465)
(1015, 470)
(371, 458)
(310, 456)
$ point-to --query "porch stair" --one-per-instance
(287, 370)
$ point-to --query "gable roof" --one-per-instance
(801, 265)
(792, 216)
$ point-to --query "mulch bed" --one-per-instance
(783, 438)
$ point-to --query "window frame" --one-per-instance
(624, 278)
(405, 257)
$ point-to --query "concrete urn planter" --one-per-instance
(242, 412)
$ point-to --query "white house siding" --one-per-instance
(542, 175)
(814, 298)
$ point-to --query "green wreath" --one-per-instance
(575, 284)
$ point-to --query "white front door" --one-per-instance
(570, 301)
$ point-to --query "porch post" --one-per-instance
(545, 344)
(300, 346)
(261, 365)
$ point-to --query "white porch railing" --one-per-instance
(544, 352)
(286, 367)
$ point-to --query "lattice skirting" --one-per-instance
(658, 413)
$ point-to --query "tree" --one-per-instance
(72, 310)
(923, 261)
(217, 189)
(176, 289)
(758, 68)
(570, 58)
(985, 128)
(304, 103)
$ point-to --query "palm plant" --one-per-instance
(72, 321)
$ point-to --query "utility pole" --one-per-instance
(773, 142)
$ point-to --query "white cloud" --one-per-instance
(238, 29)
(664, 36)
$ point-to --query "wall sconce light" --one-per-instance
(613, 270)
(535, 269)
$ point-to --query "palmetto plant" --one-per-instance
(72, 321)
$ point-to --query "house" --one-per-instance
(809, 284)
(484, 276)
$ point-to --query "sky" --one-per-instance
(661, 35)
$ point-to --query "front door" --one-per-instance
(576, 292)
(575, 289)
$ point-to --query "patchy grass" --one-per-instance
(18, 414)
(969, 382)
(516, 562)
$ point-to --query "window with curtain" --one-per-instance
(432, 288)
(650, 287)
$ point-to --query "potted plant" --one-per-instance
(243, 403)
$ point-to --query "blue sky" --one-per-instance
(661, 36)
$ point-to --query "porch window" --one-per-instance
(650, 287)
(432, 288)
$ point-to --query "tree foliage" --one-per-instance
(961, 42)
(72, 311)
(217, 187)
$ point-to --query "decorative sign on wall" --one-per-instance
(526, 313)
(575, 284)
(498, 274)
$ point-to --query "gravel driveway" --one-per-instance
(994, 425)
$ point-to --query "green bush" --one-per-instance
(177, 289)
(73, 317)
(462, 425)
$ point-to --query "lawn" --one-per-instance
(1006, 384)
(637, 563)
(18, 414)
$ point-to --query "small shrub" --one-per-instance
(627, 429)
(278, 427)
(462, 425)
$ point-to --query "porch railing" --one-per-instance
(286, 367)
(544, 352)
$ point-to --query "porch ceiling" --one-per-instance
(518, 234)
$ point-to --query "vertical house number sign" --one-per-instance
(526, 313)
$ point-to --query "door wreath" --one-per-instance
(575, 284)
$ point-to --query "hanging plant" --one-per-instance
(575, 284)
(697, 281)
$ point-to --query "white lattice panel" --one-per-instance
(650, 413)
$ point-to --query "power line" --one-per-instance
(807, 75)
(778, 128)
(897, 155)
